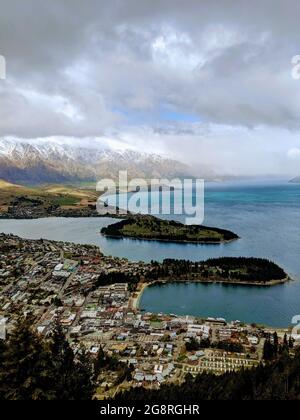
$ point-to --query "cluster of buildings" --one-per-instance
(73, 285)
(219, 362)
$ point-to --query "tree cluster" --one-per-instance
(34, 368)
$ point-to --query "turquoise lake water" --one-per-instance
(265, 215)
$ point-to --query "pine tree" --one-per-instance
(63, 361)
(3, 350)
(268, 352)
(73, 377)
(100, 362)
(33, 368)
(25, 371)
(275, 342)
(82, 386)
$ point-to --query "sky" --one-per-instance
(205, 82)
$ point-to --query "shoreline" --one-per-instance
(136, 303)
(59, 216)
(225, 241)
(136, 300)
(231, 282)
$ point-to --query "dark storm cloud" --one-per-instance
(82, 69)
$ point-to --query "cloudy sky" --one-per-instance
(206, 82)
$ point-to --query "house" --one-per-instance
(253, 340)
(158, 369)
(139, 377)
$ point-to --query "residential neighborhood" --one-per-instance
(96, 301)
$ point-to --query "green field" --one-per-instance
(65, 201)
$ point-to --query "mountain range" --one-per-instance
(40, 162)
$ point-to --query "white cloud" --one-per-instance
(175, 50)
(99, 69)
(294, 153)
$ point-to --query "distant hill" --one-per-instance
(8, 186)
(9, 191)
(55, 194)
(52, 162)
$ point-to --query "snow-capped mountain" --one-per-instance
(54, 162)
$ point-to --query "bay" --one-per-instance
(266, 215)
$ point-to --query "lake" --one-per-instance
(265, 215)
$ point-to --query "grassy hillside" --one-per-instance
(12, 195)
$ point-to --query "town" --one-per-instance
(95, 298)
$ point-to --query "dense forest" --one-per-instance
(152, 228)
(241, 269)
(253, 270)
(279, 380)
(106, 279)
(34, 368)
